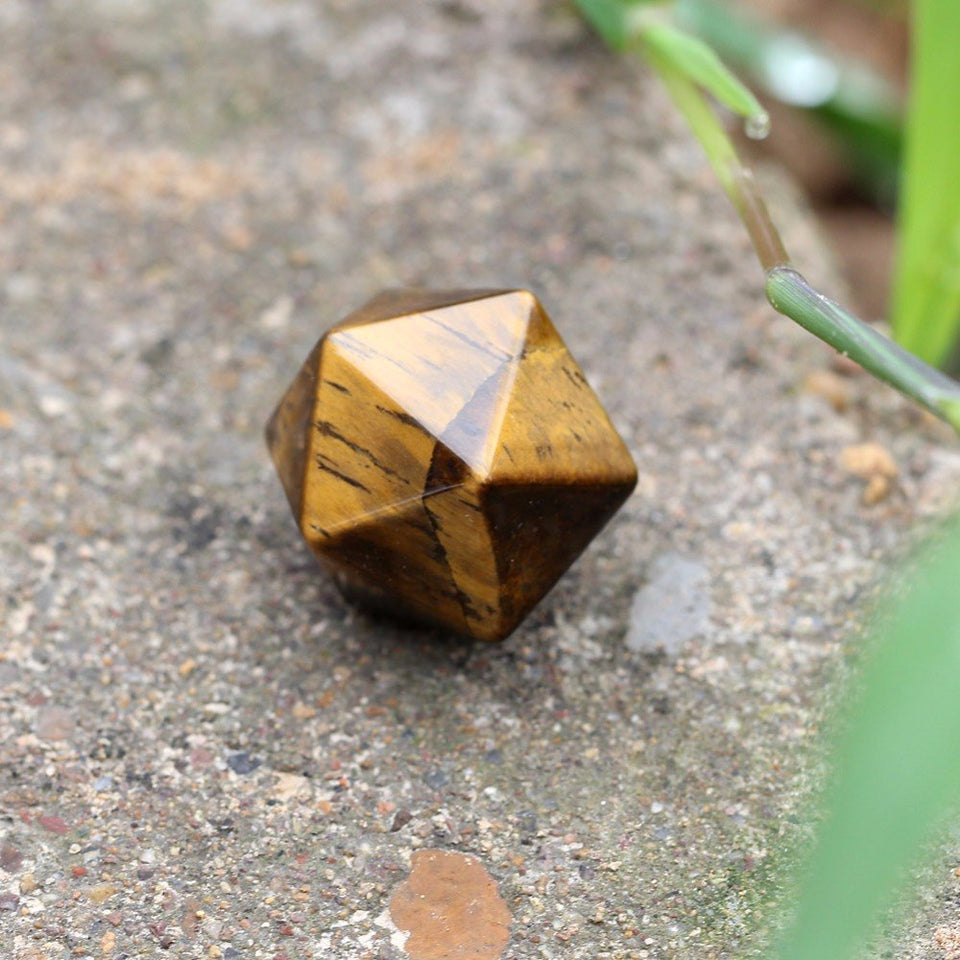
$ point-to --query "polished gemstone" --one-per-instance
(445, 457)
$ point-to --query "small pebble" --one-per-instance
(877, 489)
(277, 316)
(400, 819)
(242, 763)
(866, 460)
(54, 723)
(873, 463)
(672, 607)
(527, 821)
(11, 859)
(101, 892)
(53, 405)
(830, 386)
(53, 824)
(9, 902)
(436, 779)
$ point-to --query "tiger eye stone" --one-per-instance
(445, 457)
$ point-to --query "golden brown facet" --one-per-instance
(288, 430)
(444, 456)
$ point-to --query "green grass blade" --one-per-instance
(897, 767)
(623, 22)
(926, 314)
(792, 296)
(611, 19)
(703, 67)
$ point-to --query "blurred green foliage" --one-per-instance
(896, 765)
(926, 311)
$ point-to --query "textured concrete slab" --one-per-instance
(203, 751)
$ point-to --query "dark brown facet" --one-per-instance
(538, 531)
(443, 452)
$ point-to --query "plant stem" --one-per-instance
(735, 178)
(792, 296)
(788, 292)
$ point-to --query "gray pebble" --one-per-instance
(242, 763)
(672, 607)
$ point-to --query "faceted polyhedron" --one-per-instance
(444, 456)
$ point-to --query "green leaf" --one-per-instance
(926, 314)
(624, 22)
(703, 67)
(792, 296)
(896, 768)
(611, 19)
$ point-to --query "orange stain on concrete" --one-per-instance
(452, 909)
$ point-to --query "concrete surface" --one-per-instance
(203, 751)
